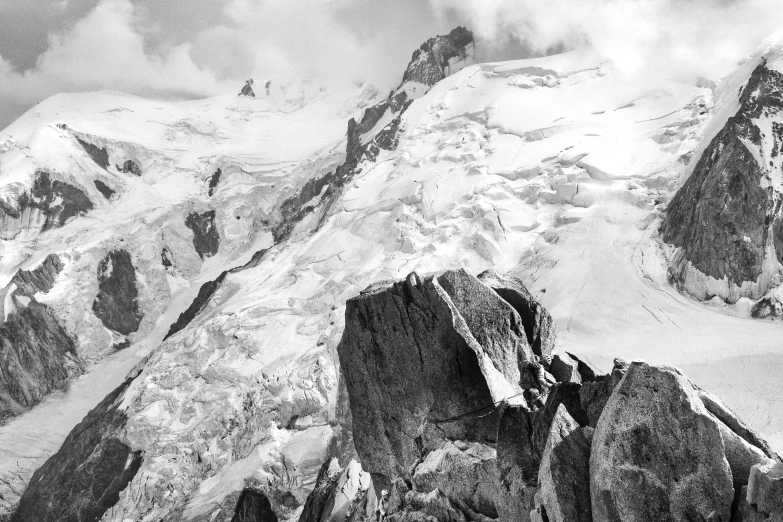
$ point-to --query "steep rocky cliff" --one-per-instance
(726, 219)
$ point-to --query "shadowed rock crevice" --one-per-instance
(205, 235)
(85, 477)
(116, 304)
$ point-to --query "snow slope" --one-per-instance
(265, 149)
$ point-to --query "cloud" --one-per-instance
(104, 50)
(677, 37)
(197, 48)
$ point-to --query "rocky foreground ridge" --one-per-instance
(459, 417)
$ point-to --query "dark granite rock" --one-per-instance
(594, 394)
(325, 483)
(205, 293)
(116, 304)
(657, 453)
(762, 499)
(539, 326)
(214, 179)
(40, 279)
(564, 477)
(565, 369)
(56, 200)
(253, 506)
(104, 189)
(721, 216)
(205, 235)
(247, 89)
(35, 356)
(429, 62)
(84, 478)
(130, 167)
(414, 356)
(98, 155)
(165, 258)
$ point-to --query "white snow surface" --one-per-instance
(553, 169)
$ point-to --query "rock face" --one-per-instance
(763, 500)
(98, 155)
(563, 476)
(213, 181)
(247, 89)
(430, 62)
(253, 506)
(205, 235)
(325, 484)
(49, 204)
(37, 355)
(657, 453)
(84, 478)
(420, 358)
(116, 304)
(426, 362)
(130, 167)
(104, 189)
(727, 215)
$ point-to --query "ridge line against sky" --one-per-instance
(184, 49)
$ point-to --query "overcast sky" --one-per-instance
(197, 48)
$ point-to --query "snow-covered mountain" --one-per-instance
(220, 239)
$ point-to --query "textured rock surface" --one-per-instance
(349, 489)
(418, 357)
(130, 167)
(430, 62)
(99, 155)
(657, 453)
(40, 279)
(205, 235)
(764, 494)
(564, 477)
(116, 304)
(253, 506)
(214, 179)
(722, 216)
(104, 189)
(85, 477)
(325, 483)
(539, 326)
(49, 204)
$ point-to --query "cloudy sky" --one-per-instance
(197, 48)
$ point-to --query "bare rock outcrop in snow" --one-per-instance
(116, 304)
(642, 443)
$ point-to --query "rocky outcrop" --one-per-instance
(205, 235)
(98, 154)
(727, 215)
(325, 484)
(116, 304)
(205, 293)
(49, 204)
(564, 476)
(40, 279)
(427, 361)
(247, 89)
(657, 453)
(37, 356)
(430, 63)
(104, 189)
(460, 348)
(85, 477)
(214, 179)
(130, 167)
(253, 506)
(762, 499)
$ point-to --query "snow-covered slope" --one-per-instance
(225, 164)
(555, 169)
